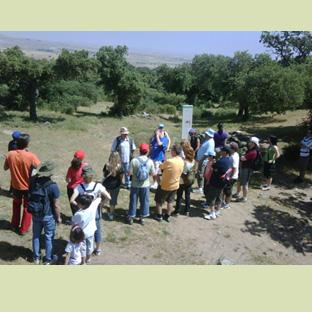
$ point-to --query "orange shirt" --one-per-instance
(172, 170)
(20, 162)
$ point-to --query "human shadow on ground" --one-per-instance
(282, 227)
(5, 225)
(10, 252)
(5, 193)
(59, 249)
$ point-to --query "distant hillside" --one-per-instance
(40, 49)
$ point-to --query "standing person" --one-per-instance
(246, 168)
(220, 175)
(220, 137)
(96, 190)
(141, 168)
(305, 152)
(186, 180)
(159, 144)
(125, 146)
(75, 247)
(171, 172)
(45, 208)
(162, 132)
(207, 175)
(12, 146)
(20, 163)
(73, 176)
(208, 146)
(85, 219)
(269, 158)
(227, 191)
(113, 173)
(194, 140)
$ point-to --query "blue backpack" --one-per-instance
(142, 171)
(38, 198)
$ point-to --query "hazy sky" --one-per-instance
(170, 42)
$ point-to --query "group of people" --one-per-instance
(215, 163)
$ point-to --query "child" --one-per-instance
(112, 180)
(75, 247)
(85, 219)
(270, 156)
(207, 174)
(73, 176)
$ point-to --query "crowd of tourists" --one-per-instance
(211, 160)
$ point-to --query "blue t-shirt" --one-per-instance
(158, 152)
(205, 148)
(219, 169)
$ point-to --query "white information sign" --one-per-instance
(187, 120)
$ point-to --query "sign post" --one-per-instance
(187, 119)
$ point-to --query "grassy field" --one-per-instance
(272, 228)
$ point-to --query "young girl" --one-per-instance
(207, 174)
(73, 176)
(270, 156)
(85, 219)
(75, 247)
(112, 180)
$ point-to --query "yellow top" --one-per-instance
(172, 170)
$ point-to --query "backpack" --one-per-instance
(189, 178)
(142, 173)
(38, 198)
(257, 163)
(89, 192)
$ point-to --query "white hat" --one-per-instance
(210, 132)
(124, 130)
(254, 140)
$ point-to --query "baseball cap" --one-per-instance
(144, 148)
(161, 126)
(254, 140)
(80, 154)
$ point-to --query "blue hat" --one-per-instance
(16, 134)
(210, 132)
(161, 126)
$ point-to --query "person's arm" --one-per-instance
(67, 178)
(73, 197)
(278, 154)
(198, 145)
(131, 168)
(114, 145)
(104, 193)
(6, 165)
(169, 141)
(57, 209)
(67, 256)
(159, 143)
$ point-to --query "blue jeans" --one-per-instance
(98, 218)
(142, 194)
(126, 167)
(46, 223)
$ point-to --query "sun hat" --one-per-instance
(87, 172)
(16, 134)
(46, 169)
(161, 126)
(124, 130)
(210, 132)
(144, 148)
(254, 140)
(80, 154)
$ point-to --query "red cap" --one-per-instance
(144, 148)
(80, 154)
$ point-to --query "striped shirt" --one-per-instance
(306, 146)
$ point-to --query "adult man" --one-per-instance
(220, 176)
(171, 172)
(125, 146)
(305, 151)
(21, 162)
(45, 209)
(207, 147)
(141, 168)
(220, 137)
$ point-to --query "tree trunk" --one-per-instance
(33, 103)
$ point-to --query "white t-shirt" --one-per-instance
(90, 189)
(75, 251)
(235, 158)
(86, 218)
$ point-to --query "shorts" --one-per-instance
(162, 196)
(228, 188)
(157, 169)
(303, 163)
(244, 176)
(268, 169)
(213, 195)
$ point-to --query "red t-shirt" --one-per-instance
(249, 156)
(74, 175)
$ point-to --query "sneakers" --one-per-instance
(265, 188)
(130, 220)
(236, 195)
(53, 261)
(110, 216)
(199, 190)
(205, 205)
(218, 213)
(142, 221)
(226, 206)
(158, 218)
(210, 216)
(97, 252)
(36, 261)
(242, 199)
(166, 217)
(187, 213)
